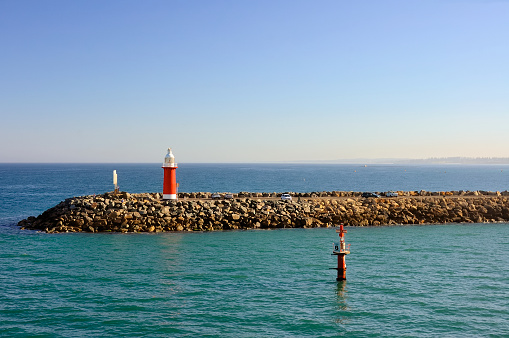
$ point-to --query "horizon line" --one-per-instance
(360, 161)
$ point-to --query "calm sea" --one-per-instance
(412, 281)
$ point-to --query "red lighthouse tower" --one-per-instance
(170, 177)
(341, 250)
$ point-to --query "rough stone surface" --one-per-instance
(146, 212)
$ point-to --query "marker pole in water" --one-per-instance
(170, 177)
(341, 250)
(115, 181)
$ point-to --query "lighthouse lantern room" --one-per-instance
(170, 177)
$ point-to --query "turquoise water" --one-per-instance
(417, 281)
(413, 281)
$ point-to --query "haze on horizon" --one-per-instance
(257, 81)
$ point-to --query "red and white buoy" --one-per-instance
(170, 177)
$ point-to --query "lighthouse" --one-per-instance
(341, 250)
(170, 177)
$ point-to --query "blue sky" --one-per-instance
(252, 81)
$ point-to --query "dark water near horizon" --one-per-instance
(408, 281)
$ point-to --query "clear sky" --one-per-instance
(252, 81)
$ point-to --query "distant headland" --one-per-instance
(459, 160)
(430, 160)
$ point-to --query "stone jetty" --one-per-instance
(147, 212)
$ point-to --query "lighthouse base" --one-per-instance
(169, 196)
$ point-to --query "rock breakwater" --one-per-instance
(146, 212)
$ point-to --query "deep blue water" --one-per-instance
(408, 281)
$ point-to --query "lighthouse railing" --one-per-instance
(336, 248)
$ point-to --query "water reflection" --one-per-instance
(343, 313)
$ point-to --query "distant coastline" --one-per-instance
(431, 160)
(460, 160)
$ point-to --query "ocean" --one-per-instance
(407, 281)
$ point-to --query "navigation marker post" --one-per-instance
(115, 181)
(341, 250)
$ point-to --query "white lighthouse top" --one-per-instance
(169, 159)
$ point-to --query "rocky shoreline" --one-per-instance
(147, 212)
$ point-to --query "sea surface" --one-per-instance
(406, 281)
